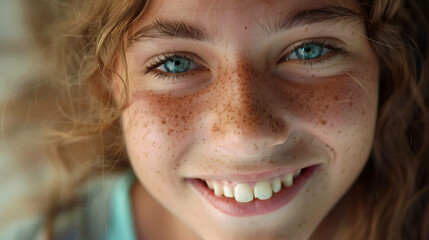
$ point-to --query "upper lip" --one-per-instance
(255, 176)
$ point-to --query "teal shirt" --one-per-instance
(121, 224)
(105, 209)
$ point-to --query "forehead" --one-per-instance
(217, 19)
(209, 10)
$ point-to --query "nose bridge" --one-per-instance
(245, 123)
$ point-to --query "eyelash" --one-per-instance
(335, 50)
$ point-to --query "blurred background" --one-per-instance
(17, 48)
(22, 66)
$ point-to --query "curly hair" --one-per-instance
(390, 199)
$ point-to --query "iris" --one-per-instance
(177, 65)
(309, 51)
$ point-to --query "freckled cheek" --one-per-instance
(344, 112)
(158, 128)
(333, 103)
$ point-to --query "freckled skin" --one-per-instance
(245, 118)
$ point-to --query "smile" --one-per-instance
(244, 199)
(246, 192)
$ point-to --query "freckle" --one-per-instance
(314, 195)
(245, 27)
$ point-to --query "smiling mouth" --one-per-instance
(250, 199)
(246, 192)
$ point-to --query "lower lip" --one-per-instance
(255, 207)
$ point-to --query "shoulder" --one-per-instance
(84, 221)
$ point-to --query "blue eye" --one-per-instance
(176, 64)
(308, 51)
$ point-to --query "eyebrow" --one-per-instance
(171, 29)
(312, 16)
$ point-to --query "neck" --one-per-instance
(148, 214)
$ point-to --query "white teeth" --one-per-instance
(209, 184)
(288, 180)
(228, 191)
(218, 189)
(277, 185)
(297, 173)
(243, 193)
(263, 190)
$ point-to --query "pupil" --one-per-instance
(307, 49)
(177, 63)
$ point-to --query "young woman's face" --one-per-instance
(241, 95)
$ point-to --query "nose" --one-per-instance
(246, 122)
